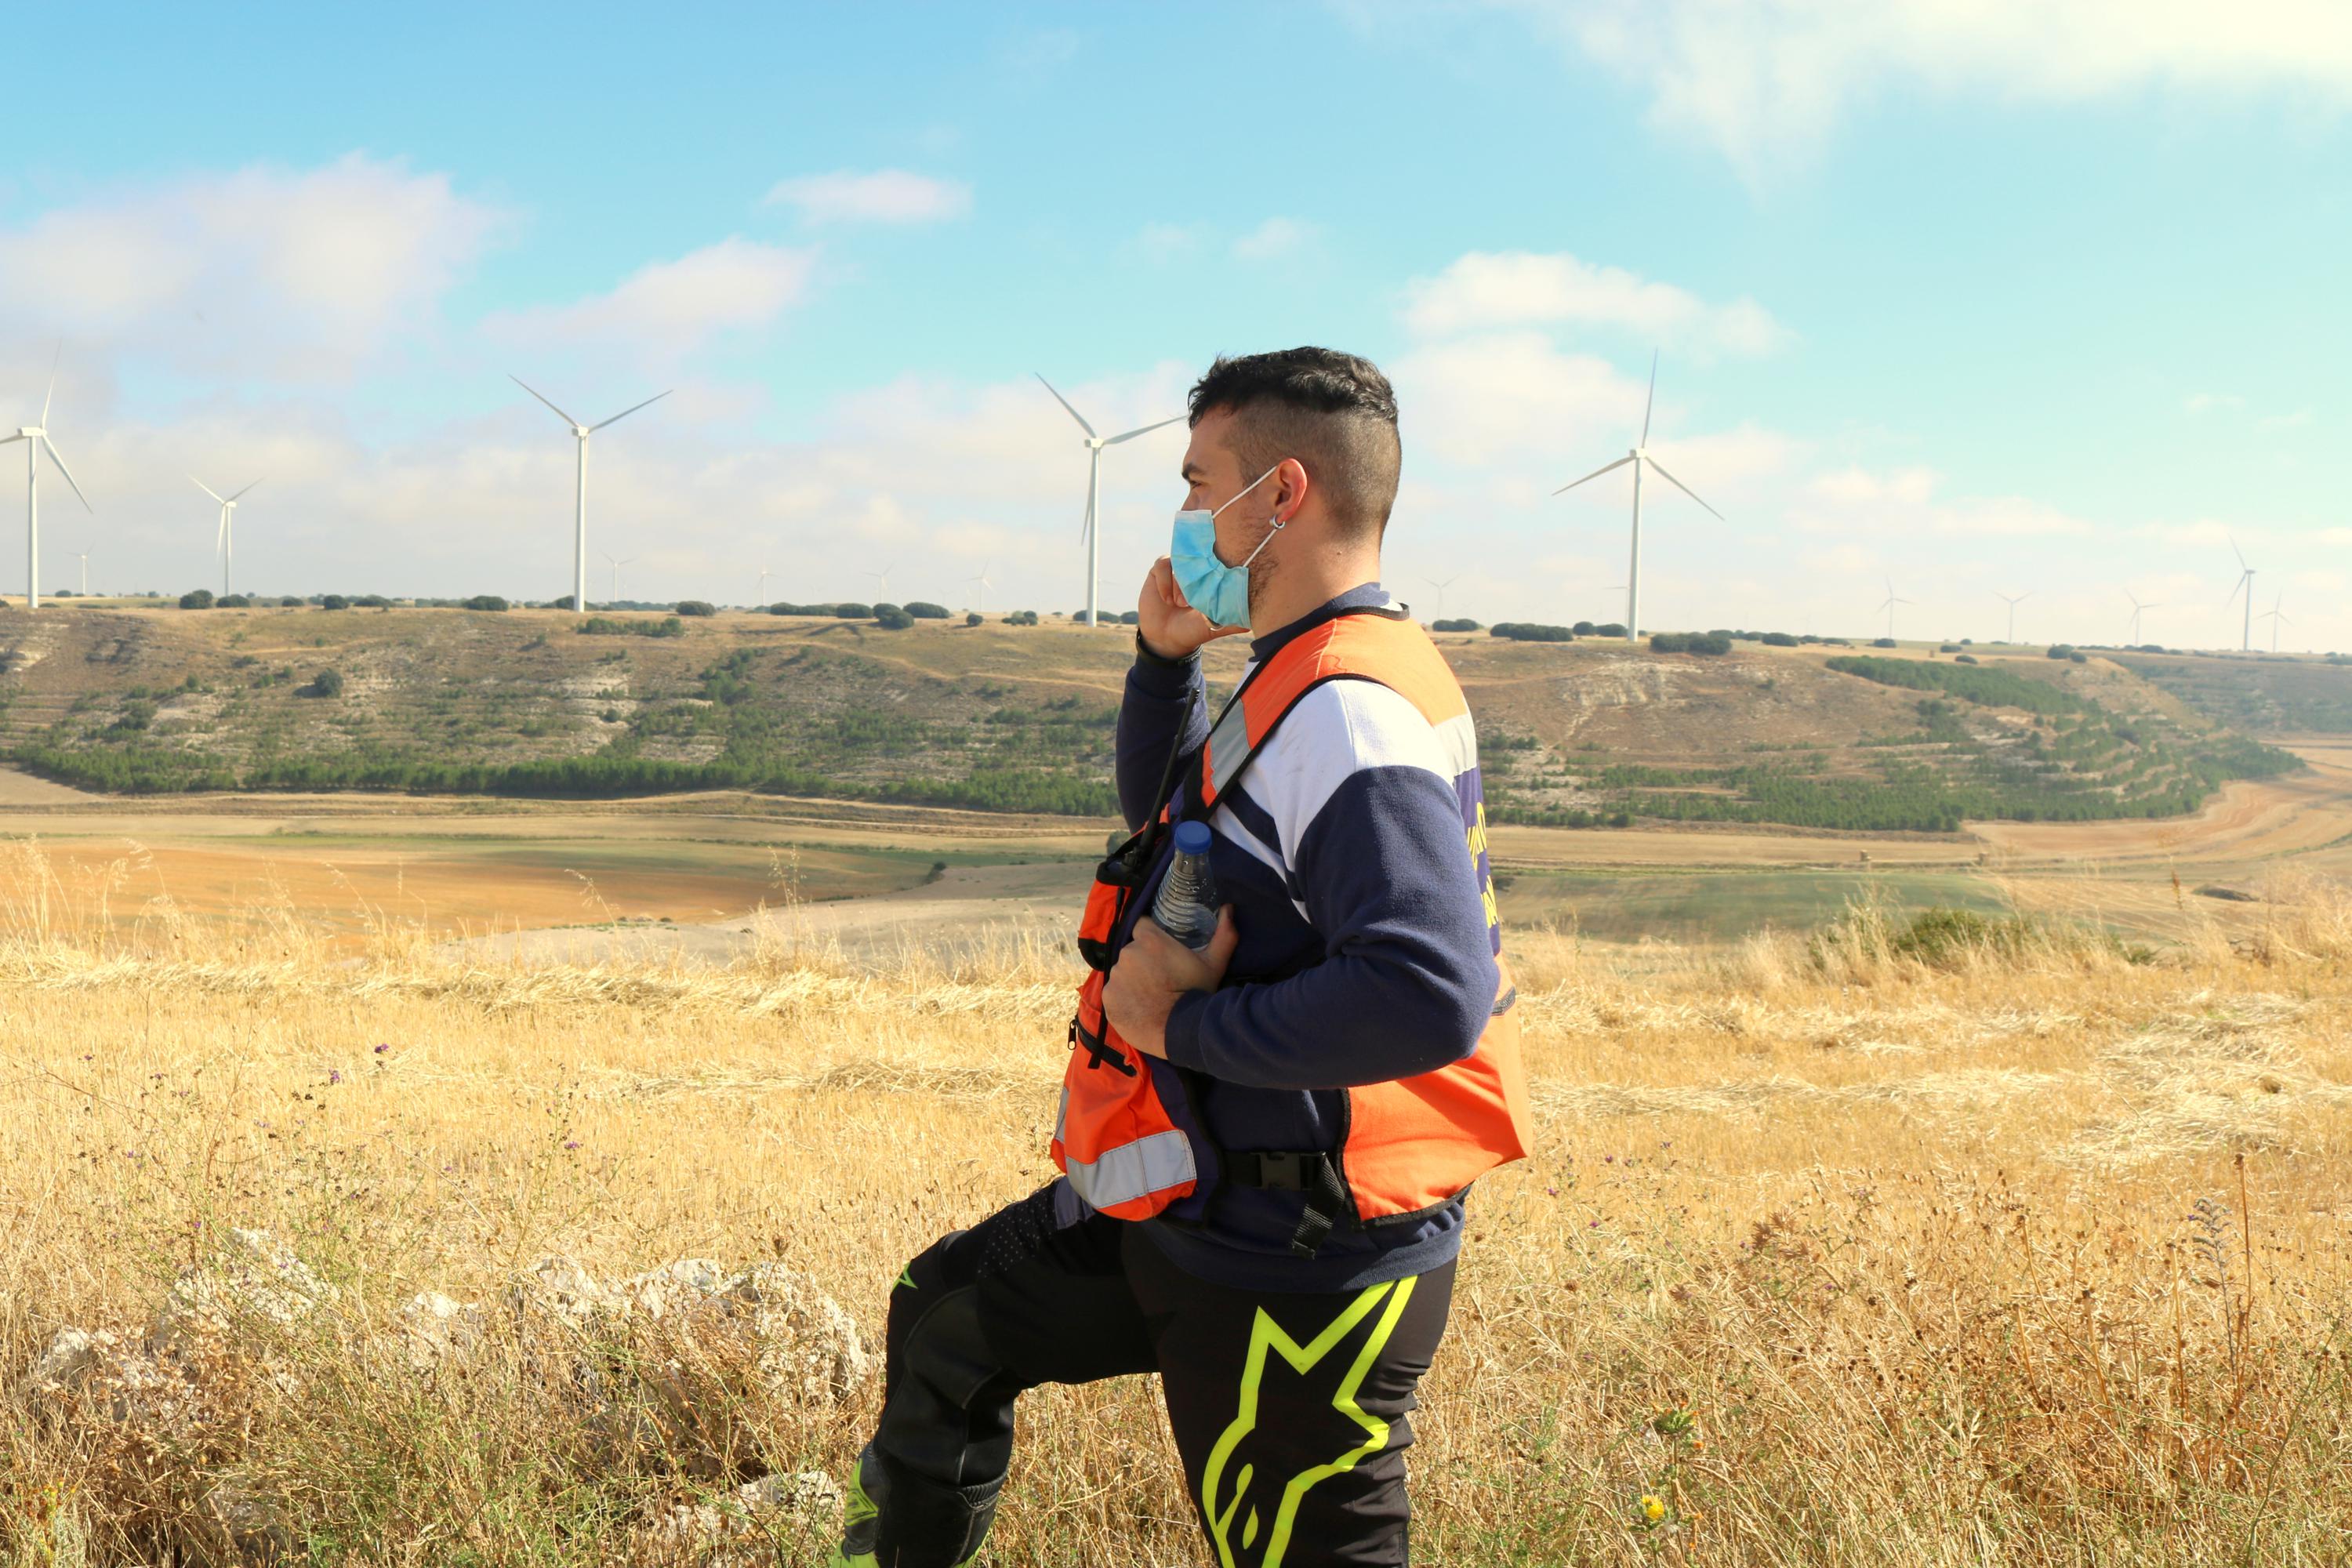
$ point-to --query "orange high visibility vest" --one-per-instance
(1412, 1144)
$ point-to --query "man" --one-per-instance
(1267, 1141)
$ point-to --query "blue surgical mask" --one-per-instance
(1218, 591)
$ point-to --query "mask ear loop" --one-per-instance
(1278, 525)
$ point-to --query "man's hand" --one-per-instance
(1171, 627)
(1154, 970)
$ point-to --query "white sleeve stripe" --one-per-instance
(1341, 728)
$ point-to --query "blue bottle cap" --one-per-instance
(1192, 838)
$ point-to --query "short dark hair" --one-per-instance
(1334, 413)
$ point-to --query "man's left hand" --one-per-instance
(1152, 971)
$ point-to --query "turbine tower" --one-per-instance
(623, 561)
(1089, 531)
(2137, 608)
(764, 576)
(1888, 606)
(2012, 600)
(1441, 584)
(2246, 586)
(225, 540)
(581, 433)
(1639, 457)
(883, 577)
(979, 579)
(83, 556)
(37, 441)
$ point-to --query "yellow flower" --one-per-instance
(1654, 1509)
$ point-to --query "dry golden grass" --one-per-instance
(2035, 1253)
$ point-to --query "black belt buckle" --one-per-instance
(1274, 1171)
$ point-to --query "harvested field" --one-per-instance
(2013, 1247)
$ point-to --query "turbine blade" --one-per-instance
(207, 489)
(1650, 402)
(220, 534)
(243, 491)
(2236, 591)
(1681, 487)
(624, 413)
(1065, 403)
(58, 459)
(534, 392)
(1146, 430)
(1087, 524)
(1595, 474)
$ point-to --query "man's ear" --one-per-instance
(1290, 488)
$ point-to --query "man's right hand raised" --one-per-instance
(1170, 626)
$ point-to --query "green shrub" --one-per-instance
(973, 617)
(849, 610)
(1690, 642)
(485, 602)
(326, 683)
(892, 617)
(696, 608)
(1022, 618)
(1778, 639)
(924, 610)
(1884, 642)
(1530, 631)
(334, 602)
(1462, 624)
(196, 599)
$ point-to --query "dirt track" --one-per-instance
(2246, 821)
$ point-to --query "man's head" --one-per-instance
(1327, 422)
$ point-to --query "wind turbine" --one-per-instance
(83, 556)
(2137, 608)
(623, 561)
(1087, 531)
(2013, 600)
(1441, 584)
(581, 433)
(883, 577)
(224, 541)
(764, 576)
(1889, 607)
(2246, 586)
(980, 579)
(2276, 617)
(37, 441)
(1638, 457)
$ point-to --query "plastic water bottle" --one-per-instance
(1186, 907)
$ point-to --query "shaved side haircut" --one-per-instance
(1334, 413)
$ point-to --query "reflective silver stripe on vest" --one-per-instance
(1133, 1170)
(1229, 747)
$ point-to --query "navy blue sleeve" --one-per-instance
(1408, 981)
(1148, 719)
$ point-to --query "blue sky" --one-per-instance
(2006, 296)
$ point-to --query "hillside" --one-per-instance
(1006, 718)
(2259, 694)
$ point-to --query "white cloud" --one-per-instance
(1905, 500)
(2206, 402)
(1767, 80)
(2294, 421)
(885, 196)
(1277, 236)
(665, 309)
(293, 275)
(1483, 291)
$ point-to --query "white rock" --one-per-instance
(673, 1287)
(70, 1355)
(807, 1343)
(738, 1531)
(434, 1328)
(255, 1278)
